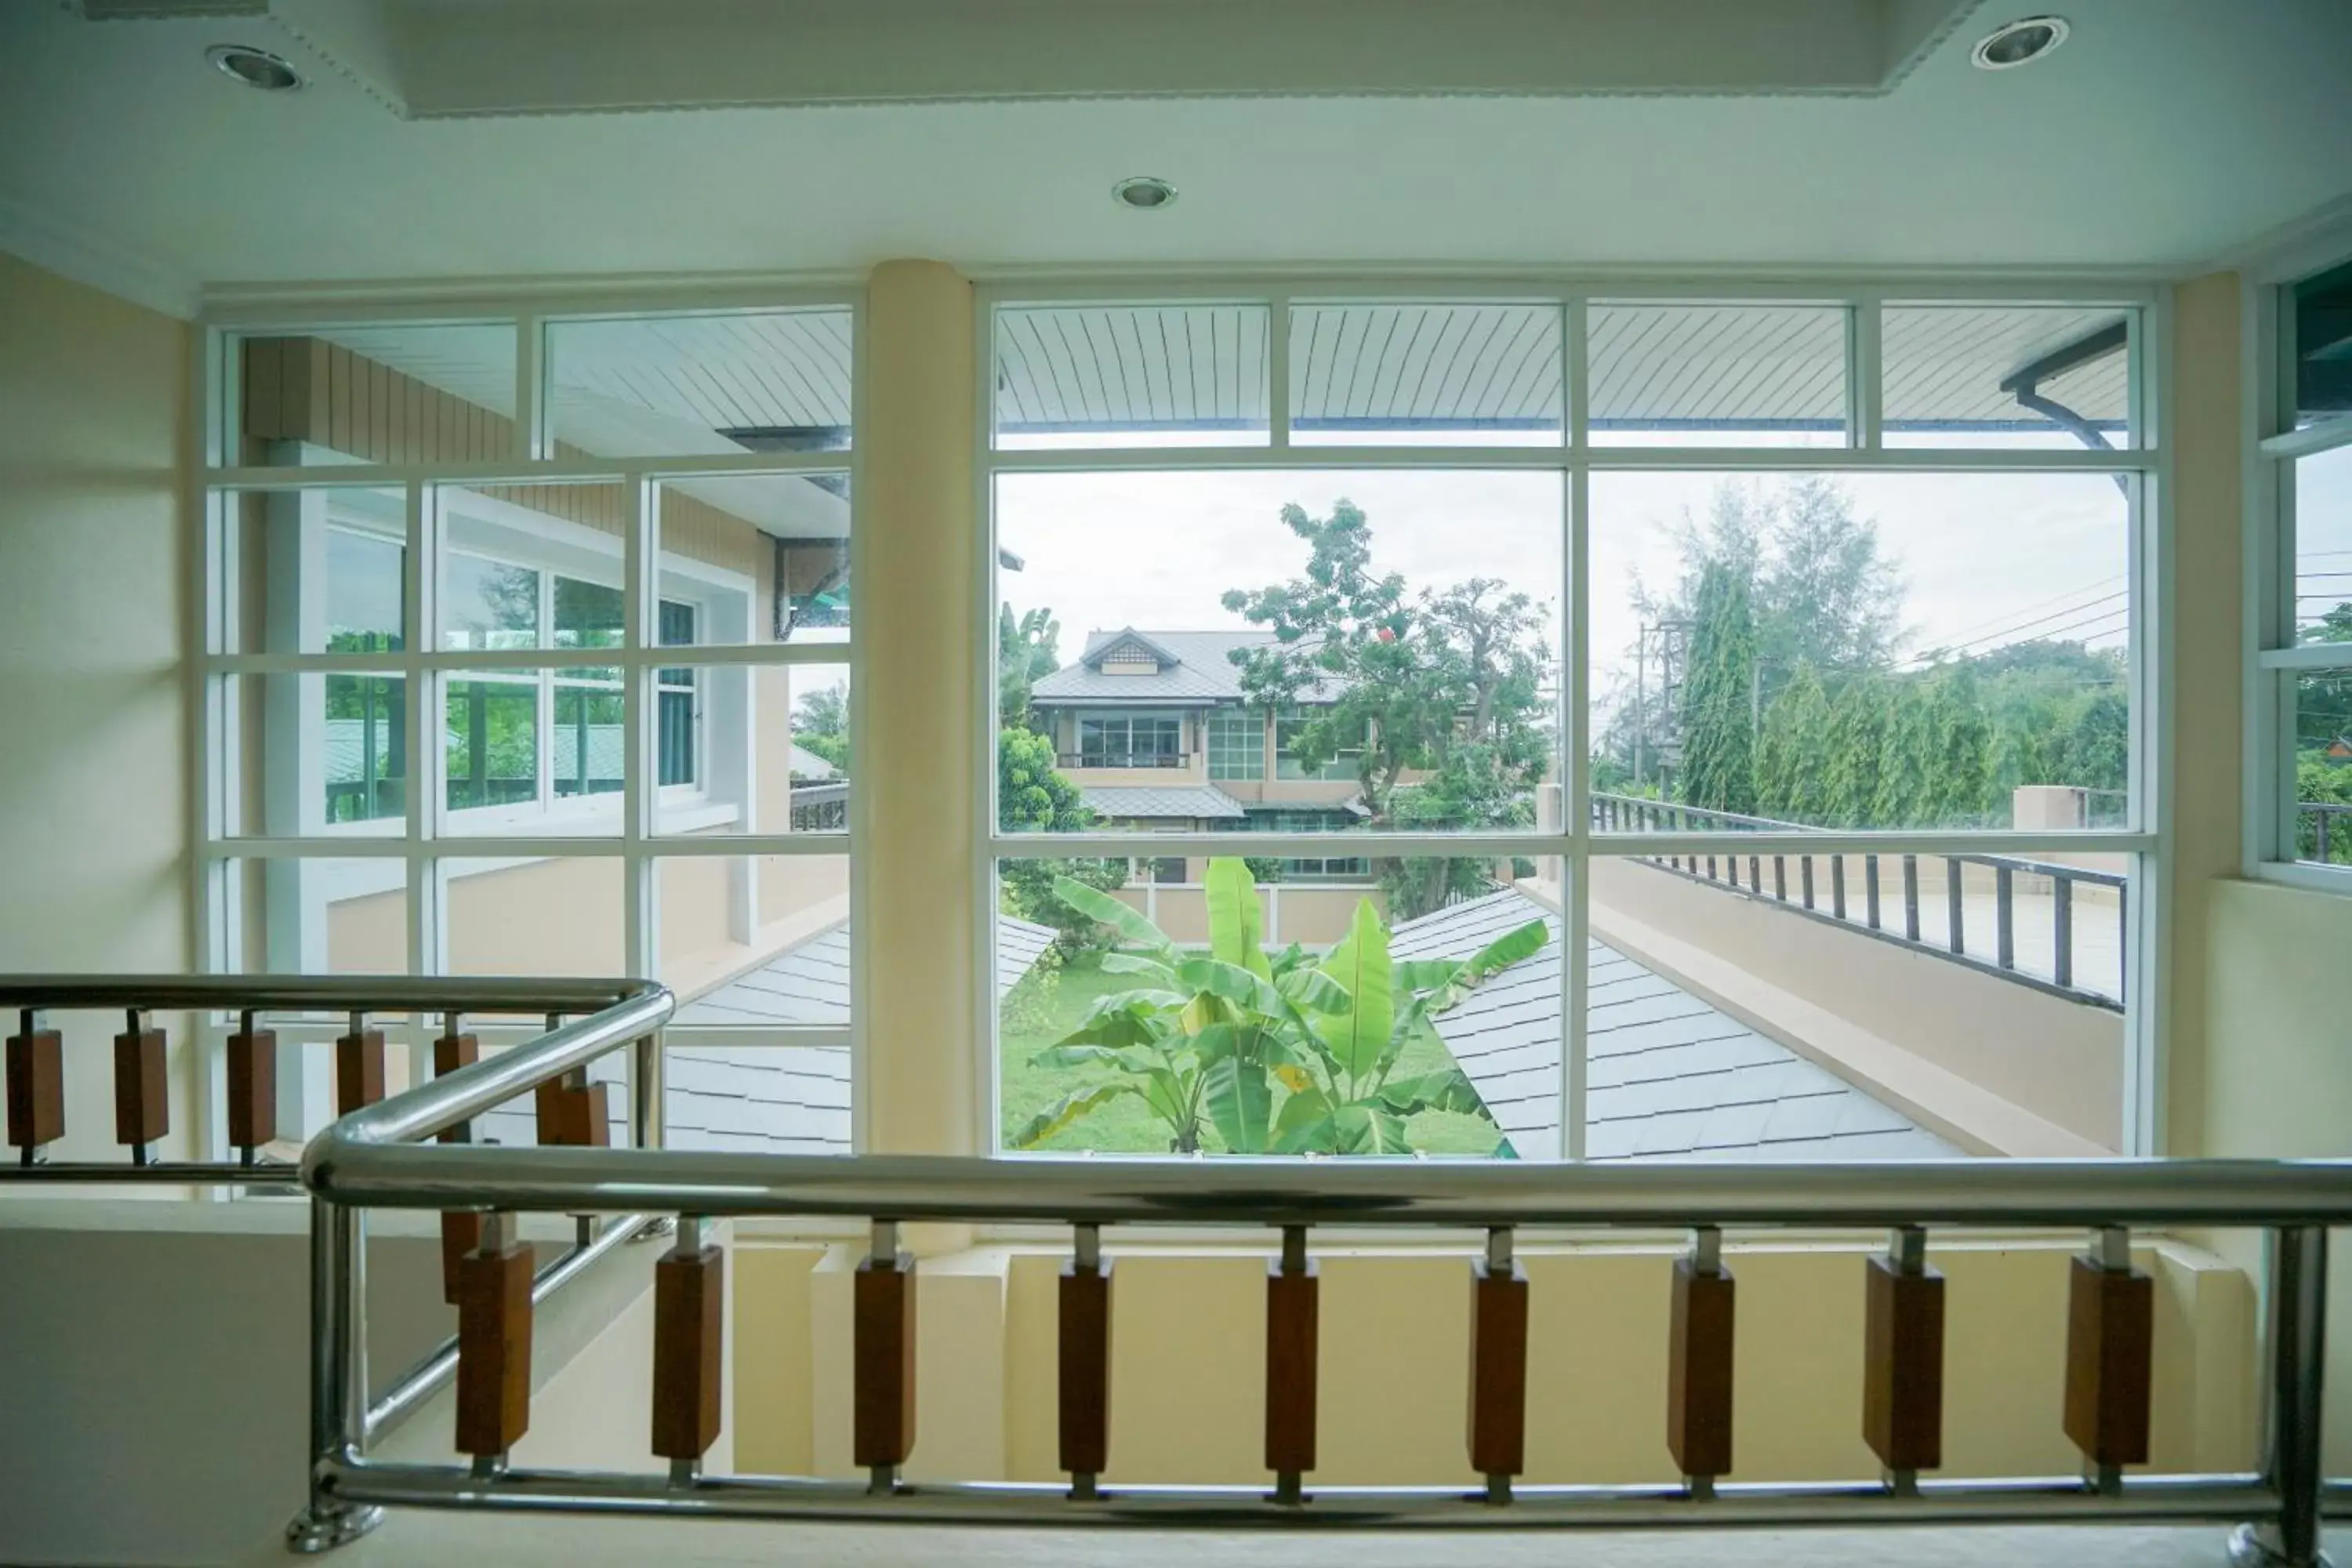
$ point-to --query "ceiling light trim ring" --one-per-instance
(2019, 43)
(255, 67)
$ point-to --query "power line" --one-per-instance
(1996, 625)
(2012, 634)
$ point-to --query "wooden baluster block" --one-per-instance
(451, 1052)
(461, 1234)
(1085, 1368)
(1498, 1369)
(143, 1106)
(883, 1318)
(574, 1116)
(2110, 1344)
(1290, 1353)
(493, 1349)
(359, 1071)
(37, 1089)
(689, 1307)
(252, 1073)
(1698, 1370)
(1903, 1367)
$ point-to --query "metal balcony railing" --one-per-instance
(1869, 879)
(379, 1156)
(2331, 830)
(1120, 760)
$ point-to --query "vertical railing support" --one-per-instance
(2004, 916)
(338, 1376)
(461, 1229)
(1837, 885)
(1954, 919)
(1498, 1365)
(359, 1067)
(251, 1071)
(2110, 1324)
(1805, 878)
(882, 1349)
(1290, 1350)
(1911, 898)
(37, 1088)
(142, 1106)
(1698, 1366)
(2061, 931)
(689, 1323)
(1870, 889)
(494, 1338)
(2298, 1353)
(1085, 1325)
(1903, 1361)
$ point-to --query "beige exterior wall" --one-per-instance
(1294, 912)
(1188, 1363)
(96, 581)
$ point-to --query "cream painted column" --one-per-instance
(916, 898)
(2206, 700)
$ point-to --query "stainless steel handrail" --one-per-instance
(335, 992)
(346, 1164)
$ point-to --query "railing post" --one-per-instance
(1911, 898)
(1754, 874)
(1085, 1325)
(1903, 1361)
(646, 1109)
(2061, 931)
(882, 1351)
(36, 1087)
(2004, 926)
(1780, 877)
(690, 1321)
(461, 1229)
(1953, 918)
(494, 1339)
(338, 1386)
(142, 1106)
(1291, 1285)
(1498, 1365)
(2110, 1324)
(1699, 1366)
(251, 1075)
(359, 1067)
(1837, 885)
(1870, 889)
(1805, 878)
(2298, 1353)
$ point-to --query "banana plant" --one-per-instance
(1283, 1053)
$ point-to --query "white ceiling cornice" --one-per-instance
(72, 251)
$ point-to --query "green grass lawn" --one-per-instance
(1125, 1127)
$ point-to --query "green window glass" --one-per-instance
(1236, 743)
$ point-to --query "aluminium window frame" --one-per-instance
(416, 852)
(2144, 461)
(2271, 447)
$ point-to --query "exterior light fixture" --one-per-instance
(256, 69)
(2019, 43)
(1144, 194)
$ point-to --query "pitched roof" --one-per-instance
(791, 1100)
(1667, 1076)
(1196, 667)
(1202, 801)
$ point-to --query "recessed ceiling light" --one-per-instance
(1143, 193)
(2019, 43)
(255, 67)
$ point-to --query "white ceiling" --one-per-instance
(2165, 133)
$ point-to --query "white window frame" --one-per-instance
(649, 823)
(2145, 460)
(2273, 658)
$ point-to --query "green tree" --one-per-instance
(1032, 797)
(1960, 762)
(821, 724)
(1025, 650)
(1856, 742)
(1905, 794)
(1792, 754)
(2096, 750)
(1718, 719)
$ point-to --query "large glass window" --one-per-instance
(2303, 817)
(472, 669)
(1701, 767)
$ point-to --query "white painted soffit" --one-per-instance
(454, 59)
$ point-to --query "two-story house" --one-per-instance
(1155, 730)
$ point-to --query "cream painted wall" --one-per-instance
(94, 421)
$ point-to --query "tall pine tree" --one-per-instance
(1857, 738)
(1718, 717)
(1792, 754)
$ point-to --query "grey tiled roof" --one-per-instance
(1204, 673)
(1157, 800)
(791, 1100)
(1667, 1074)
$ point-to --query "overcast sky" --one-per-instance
(1983, 558)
